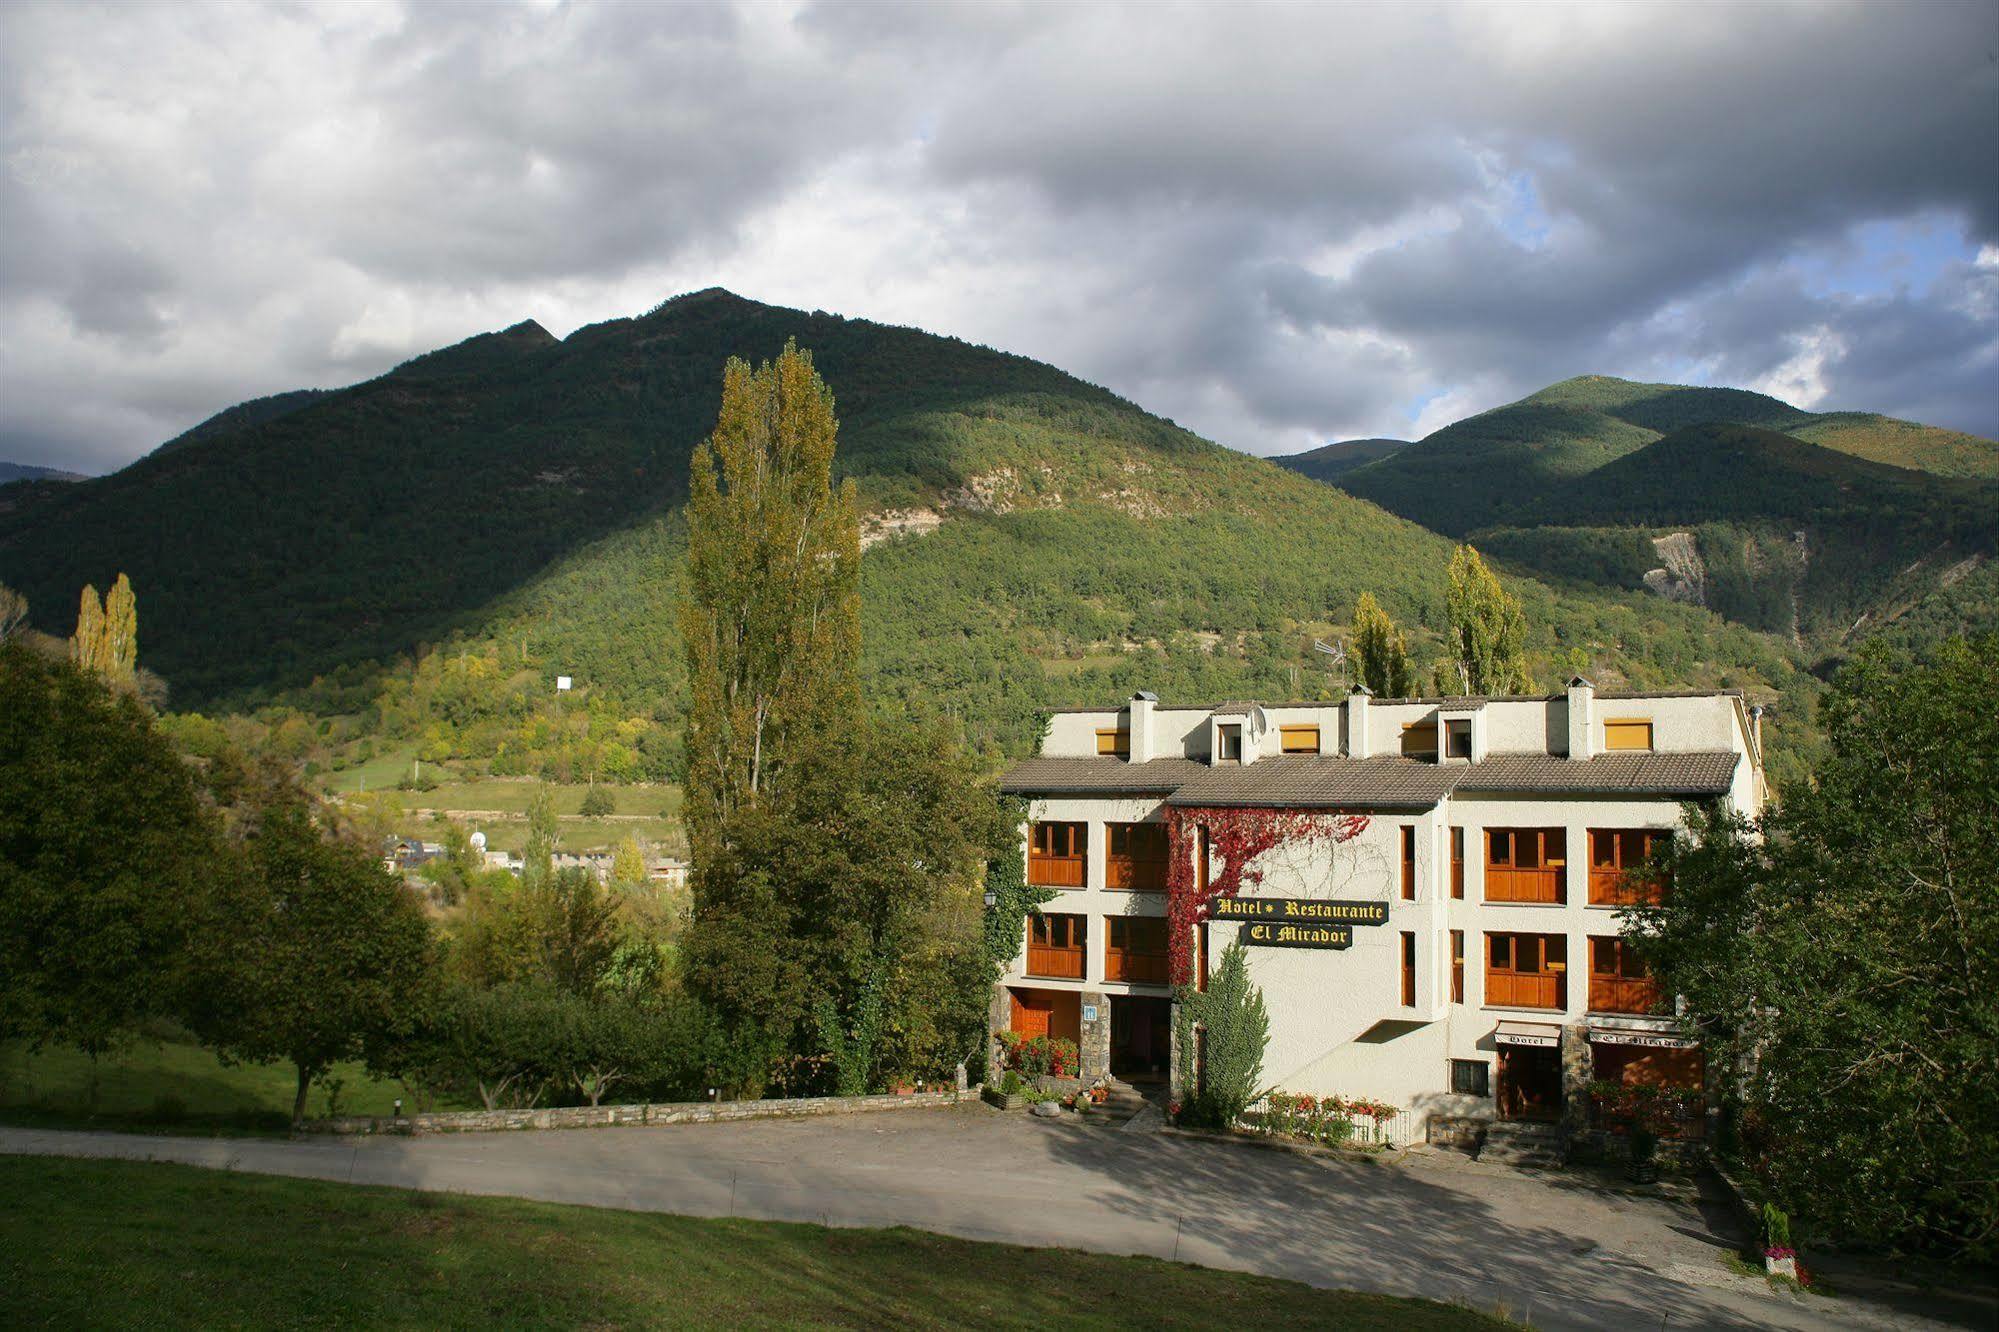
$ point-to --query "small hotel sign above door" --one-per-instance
(1299, 922)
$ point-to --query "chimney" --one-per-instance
(1141, 725)
(1357, 746)
(1582, 711)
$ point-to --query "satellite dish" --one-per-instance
(478, 841)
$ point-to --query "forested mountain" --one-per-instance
(1488, 469)
(1330, 461)
(29, 472)
(419, 556)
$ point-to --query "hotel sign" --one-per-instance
(1298, 922)
(1656, 1040)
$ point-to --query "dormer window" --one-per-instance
(1228, 744)
(1627, 733)
(1298, 739)
(1112, 741)
(1457, 740)
(1419, 740)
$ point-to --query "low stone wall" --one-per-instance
(1466, 1131)
(668, 1112)
(1684, 1156)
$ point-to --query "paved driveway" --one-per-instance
(1553, 1250)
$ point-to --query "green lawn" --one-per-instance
(128, 1244)
(511, 796)
(379, 773)
(169, 1085)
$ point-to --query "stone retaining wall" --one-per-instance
(669, 1112)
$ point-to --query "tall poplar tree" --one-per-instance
(86, 648)
(1488, 629)
(1382, 648)
(771, 615)
(121, 631)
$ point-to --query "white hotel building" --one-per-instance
(1499, 836)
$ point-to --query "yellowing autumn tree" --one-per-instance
(771, 615)
(1488, 629)
(1381, 649)
(107, 632)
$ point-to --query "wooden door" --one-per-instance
(1032, 1013)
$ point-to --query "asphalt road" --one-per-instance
(1556, 1250)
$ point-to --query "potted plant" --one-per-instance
(1779, 1258)
(1011, 1094)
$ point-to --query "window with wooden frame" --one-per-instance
(1457, 740)
(1526, 971)
(1408, 862)
(1201, 957)
(1135, 949)
(1618, 979)
(1056, 944)
(1471, 1077)
(1419, 740)
(1112, 741)
(1135, 857)
(1408, 969)
(1457, 966)
(1299, 739)
(1229, 742)
(1458, 862)
(1525, 865)
(1057, 854)
(1627, 733)
(1618, 859)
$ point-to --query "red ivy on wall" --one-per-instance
(1236, 838)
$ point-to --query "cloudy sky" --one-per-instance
(1279, 226)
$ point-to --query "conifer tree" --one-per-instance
(1488, 628)
(86, 648)
(121, 632)
(1382, 648)
(771, 614)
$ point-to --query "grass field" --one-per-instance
(169, 1085)
(117, 1244)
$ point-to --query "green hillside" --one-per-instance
(1329, 462)
(413, 561)
(1767, 529)
(1489, 469)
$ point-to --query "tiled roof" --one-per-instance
(1327, 781)
(1322, 781)
(1235, 709)
(1639, 774)
(1097, 776)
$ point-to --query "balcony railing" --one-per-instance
(1624, 994)
(1054, 963)
(1143, 968)
(1505, 884)
(1057, 871)
(1130, 874)
(1617, 887)
(1512, 989)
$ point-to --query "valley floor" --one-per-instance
(1557, 1251)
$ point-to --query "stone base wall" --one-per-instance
(1465, 1131)
(667, 1112)
(1680, 1156)
(1094, 1050)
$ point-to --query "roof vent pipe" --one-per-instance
(1357, 741)
(1582, 709)
(1140, 722)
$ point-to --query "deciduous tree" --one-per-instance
(771, 616)
(1848, 958)
(1488, 629)
(1382, 650)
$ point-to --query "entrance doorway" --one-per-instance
(1530, 1083)
(1053, 1013)
(1141, 1038)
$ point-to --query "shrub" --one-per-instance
(1237, 1029)
(597, 802)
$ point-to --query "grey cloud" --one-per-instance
(1277, 224)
